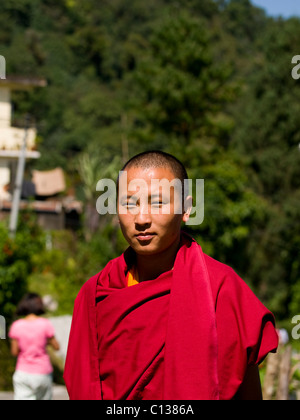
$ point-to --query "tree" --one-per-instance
(268, 138)
(180, 89)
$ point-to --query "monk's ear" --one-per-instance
(188, 204)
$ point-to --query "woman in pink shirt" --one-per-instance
(29, 337)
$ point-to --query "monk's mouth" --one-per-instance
(145, 238)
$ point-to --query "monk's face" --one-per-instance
(150, 209)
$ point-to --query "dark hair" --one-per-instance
(157, 159)
(30, 304)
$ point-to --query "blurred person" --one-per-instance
(283, 336)
(30, 336)
(164, 321)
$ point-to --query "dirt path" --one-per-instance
(59, 394)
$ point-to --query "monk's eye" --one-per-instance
(129, 205)
(129, 202)
(159, 203)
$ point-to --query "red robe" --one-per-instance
(190, 334)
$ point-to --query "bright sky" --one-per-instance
(285, 8)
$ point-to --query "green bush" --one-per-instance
(7, 366)
(16, 262)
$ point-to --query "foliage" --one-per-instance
(268, 134)
(16, 262)
(7, 366)
(179, 89)
(62, 270)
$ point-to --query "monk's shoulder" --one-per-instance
(88, 289)
(222, 276)
(111, 275)
(217, 270)
(90, 285)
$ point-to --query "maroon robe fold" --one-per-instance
(190, 334)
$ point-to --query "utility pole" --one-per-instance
(18, 184)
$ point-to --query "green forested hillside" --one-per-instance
(207, 80)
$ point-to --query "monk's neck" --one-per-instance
(152, 266)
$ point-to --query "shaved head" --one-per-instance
(158, 159)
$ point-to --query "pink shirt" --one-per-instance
(32, 337)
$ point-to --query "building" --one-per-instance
(11, 138)
(45, 194)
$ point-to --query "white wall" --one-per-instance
(5, 107)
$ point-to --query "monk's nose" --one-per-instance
(143, 216)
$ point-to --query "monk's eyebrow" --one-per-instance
(132, 196)
(127, 197)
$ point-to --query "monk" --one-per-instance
(164, 321)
